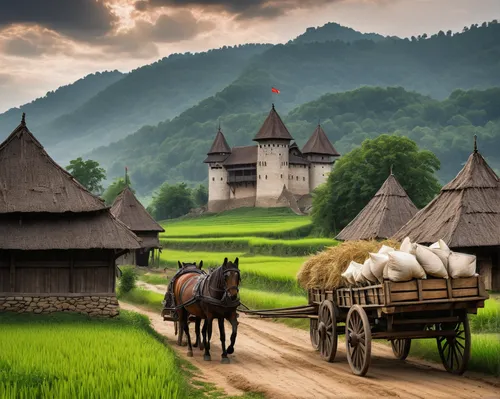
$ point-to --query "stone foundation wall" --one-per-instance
(106, 306)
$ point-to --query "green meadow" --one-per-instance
(271, 245)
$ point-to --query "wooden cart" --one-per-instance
(398, 312)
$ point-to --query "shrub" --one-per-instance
(128, 280)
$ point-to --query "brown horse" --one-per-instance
(209, 297)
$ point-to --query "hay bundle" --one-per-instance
(324, 269)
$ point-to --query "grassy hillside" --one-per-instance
(333, 31)
(59, 102)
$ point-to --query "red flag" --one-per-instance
(275, 90)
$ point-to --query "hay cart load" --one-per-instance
(432, 308)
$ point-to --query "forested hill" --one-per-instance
(59, 102)
(434, 66)
(175, 150)
(333, 31)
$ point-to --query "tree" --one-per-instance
(359, 174)
(200, 195)
(171, 201)
(115, 188)
(88, 173)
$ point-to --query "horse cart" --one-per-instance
(395, 311)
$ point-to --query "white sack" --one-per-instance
(407, 246)
(358, 276)
(430, 262)
(440, 245)
(385, 249)
(461, 265)
(403, 266)
(366, 270)
(442, 254)
(378, 263)
(349, 275)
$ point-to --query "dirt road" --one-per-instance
(279, 362)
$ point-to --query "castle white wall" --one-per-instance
(218, 189)
(241, 191)
(272, 171)
(318, 171)
(298, 179)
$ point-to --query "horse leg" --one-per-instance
(234, 323)
(207, 335)
(222, 333)
(185, 325)
(198, 342)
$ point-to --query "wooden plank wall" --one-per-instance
(58, 272)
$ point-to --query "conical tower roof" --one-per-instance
(466, 213)
(273, 128)
(318, 143)
(30, 180)
(219, 145)
(386, 212)
(132, 213)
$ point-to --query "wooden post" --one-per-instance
(112, 262)
(12, 272)
(71, 271)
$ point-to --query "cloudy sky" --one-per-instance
(48, 43)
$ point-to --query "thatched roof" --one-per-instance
(30, 180)
(384, 215)
(466, 213)
(99, 230)
(43, 207)
(318, 143)
(219, 146)
(273, 128)
(130, 211)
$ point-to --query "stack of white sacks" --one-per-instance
(412, 261)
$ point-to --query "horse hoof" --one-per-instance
(195, 345)
(202, 347)
(230, 350)
(225, 360)
(207, 358)
(190, 354)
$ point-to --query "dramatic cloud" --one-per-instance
(32, 42)
(242, 9)
(79, 19)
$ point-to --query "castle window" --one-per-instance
(213, 178)
(322, 158)
(297, 177)
(273, 145)
(221, 179)
(303, 179)
(259, 176)
(266, 177)
(281, 176)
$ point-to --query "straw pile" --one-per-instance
(324, 269)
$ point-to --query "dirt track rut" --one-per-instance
(279, 362)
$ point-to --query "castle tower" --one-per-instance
(218, 189)
(321, 154)
(273, 141)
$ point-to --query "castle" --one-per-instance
(273, 173)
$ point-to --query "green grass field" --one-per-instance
(70, 356)
(243, 222)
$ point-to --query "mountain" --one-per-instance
(303, 72)
(59, 102)
(147, 95)
(333, 31)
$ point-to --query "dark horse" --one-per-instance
(210, 297)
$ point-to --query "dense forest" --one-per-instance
(156, 154)
(333, 31)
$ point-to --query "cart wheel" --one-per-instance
(327, 331)
(455, 351)
(313, 331)
(401, 348)
(358, 340)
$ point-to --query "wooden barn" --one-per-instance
(466, 215)
(59, 242)
(130, 211)
(383, 216)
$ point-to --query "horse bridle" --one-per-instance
(226, 290)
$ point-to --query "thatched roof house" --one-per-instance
(58, 240)
(466, 215)
(132, 213)
(384, 215)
